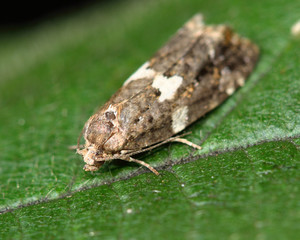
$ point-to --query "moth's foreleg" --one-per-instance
(130, 159)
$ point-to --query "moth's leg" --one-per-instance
(130, 159)
(171, 139)
(187, 142)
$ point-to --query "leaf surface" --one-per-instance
(242, 185)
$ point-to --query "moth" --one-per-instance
(198, 68)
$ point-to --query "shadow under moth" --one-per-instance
(198, 68)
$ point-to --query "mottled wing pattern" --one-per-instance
(162, 61)
(192, 74)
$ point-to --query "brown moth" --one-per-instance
(192, 74)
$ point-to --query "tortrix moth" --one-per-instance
(192, 74)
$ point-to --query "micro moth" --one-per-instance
(198, 68)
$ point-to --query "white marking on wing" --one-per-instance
(142, 72)
(230, 90)
(241, 81)
(167, 86)
(179, 119)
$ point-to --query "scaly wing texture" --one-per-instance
(192, 74)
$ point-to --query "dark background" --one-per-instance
(19, 14)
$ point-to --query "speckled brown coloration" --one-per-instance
(193, 73)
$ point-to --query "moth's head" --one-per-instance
(103, 132)
(99, 128)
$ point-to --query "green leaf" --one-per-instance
(242, 185)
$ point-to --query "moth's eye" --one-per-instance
(110, 115)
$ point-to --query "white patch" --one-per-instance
(111, 108)
(215, 33)
(295, 30)
(230, 90)
(142, 72)
(241, 81)
(211, 52)
(167, 86)
(180, 119)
